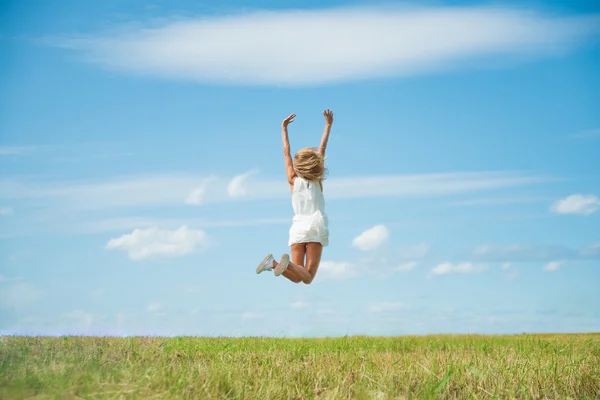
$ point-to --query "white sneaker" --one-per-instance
(283, 264)
(266, 264)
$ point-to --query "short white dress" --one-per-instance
(310, 223)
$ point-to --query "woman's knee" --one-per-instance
(311, 268)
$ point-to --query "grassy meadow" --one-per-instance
(419, 367)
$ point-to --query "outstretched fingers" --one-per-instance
(289, 120)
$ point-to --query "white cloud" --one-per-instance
(198, 195)
(154, 307)
(361, 42)
(406, 266)
(144, 244)
(577, 204)
(552, 266)
(237, 187)
(19, 296)
(251, 315)
(385, 307)
(461, 268)
(371, 238)
(299, 304)
(336, 270)
(506, 266)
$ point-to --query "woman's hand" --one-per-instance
(288, 120)
(328, 116)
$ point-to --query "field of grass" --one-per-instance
(449, 367)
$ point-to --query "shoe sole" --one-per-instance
(283, 264)
(260, 269)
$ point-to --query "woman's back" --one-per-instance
(307, 197)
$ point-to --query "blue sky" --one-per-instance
(142, 177)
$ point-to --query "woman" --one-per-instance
(309, 232)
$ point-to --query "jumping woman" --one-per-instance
(309, 232)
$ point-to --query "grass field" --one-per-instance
(502, 367)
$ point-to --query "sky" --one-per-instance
(142, 176)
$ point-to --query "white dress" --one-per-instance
(310, 223)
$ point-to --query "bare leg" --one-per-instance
(306, 274)
(298, 252)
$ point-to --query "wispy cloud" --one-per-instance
(72, 151)
(175, 188)
(427, 185)
(530, 253)
(385, 307)
(577, 204)
(199, 194)
(552, 266)
(372, 238)
(299, 304)
(98, 293)
(237, 186)
(487, 201)
(145, 244)
(511, 275)
(15, 150)
(120, 191)
(19, 296)
(589, 134)
(521, 253)
(415, 251)
(6, 211)
(591, 252)
(126, 223)
(326, 311)
(336, 270)
(77, 320)
(508, 272)
(362, 42)
(153, 307)
(409, 266)
(251, 315)
(460, 268)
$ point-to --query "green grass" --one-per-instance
(449, 367)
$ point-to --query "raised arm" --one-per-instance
(287, 155)
(328, 122)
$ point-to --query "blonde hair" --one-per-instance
(309, 164)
